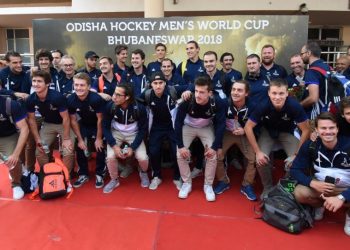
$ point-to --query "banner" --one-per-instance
(240, 35)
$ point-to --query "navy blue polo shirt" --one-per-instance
(94, 74)
(138, 82)
(118, 70)
(50, 108)
(87, 108)
(292, 80)
(178, 81)
(279, 120)
(258, 89)
(192, 70)
(234, 75)
(156, 66)
(328, 162)
(16, 82)
(66, 85)
(276, 71)
(134, 115)
(18, 113)
(108, 87)
(199, 113)
(55, 78)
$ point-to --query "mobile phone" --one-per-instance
(329, 179)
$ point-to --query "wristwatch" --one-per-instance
(341, 197)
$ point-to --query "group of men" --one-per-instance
(199, 110)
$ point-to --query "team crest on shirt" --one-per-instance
(275, 73)
(219, 85)
(265, 84)
(345, 163)
(233, 79)
(285, 117)
(131, 119)
(200, 69)
(52, 107)
(91, 109)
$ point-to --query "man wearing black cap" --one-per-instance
(90, 65)
(162, 103)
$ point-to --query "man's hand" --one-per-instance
(12, 161)
(209, 153)
(99, 144)
(105, 96)
(238, 131)
(67, 144)
(20, 95)
(186, 95)
(262, 159)
(332, 203)
(322, 187)
(81, 145)
(185, 153)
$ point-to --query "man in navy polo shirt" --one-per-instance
(106, 83)
(269, 68)
(124, 127)
(67, 72)
(201, 116)
(11, 142)
(226, 61)
(91, 65)
(162, 105)
(329, 187)
(52, 106)
(278, 116)
(88, 106)
(314, 101)
(121, 54)
(296, 78)
(137, 74)
(237, 115)
(193, 66)
(258, 83)
(172, 78)
(13, 77)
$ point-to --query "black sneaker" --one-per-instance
(99, 181)
(80, 181)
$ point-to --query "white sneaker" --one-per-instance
(112, 184)
(186, 188)
(209, 192)
(196, 172)
(319, 212)
(17, 193)
(178, 183)
(347, 223)
(155, 183)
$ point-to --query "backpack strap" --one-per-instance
(183, 67)
(58, 161)
(173, 93)
(320, 70)
(101, 82)
(148, 96)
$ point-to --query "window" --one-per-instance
(18, 40)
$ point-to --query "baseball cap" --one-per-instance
(91, 54)
(158, 75)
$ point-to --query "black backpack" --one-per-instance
(281, 210)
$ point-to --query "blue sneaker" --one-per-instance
(221, 187)
(248, 191)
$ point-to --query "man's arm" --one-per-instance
(22, 139)
(33, 127)
(66, 140)
(76, 129)
(99, 134)
(305, 133)
(313, 96)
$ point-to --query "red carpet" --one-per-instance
(136, 218)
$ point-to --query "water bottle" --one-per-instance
(86, 151)
(125, 149)
(45, 147)
(4, 158)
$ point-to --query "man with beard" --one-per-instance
(13, 78)
(107, 82)
(57, 56)
(296, 78)
(67, 73)
(90, 65)
(121, 54)
(277, 117)
(137, 74)
(314, 101)
(226, 61)
(258, 83)
(329, 186)
(268, 67)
